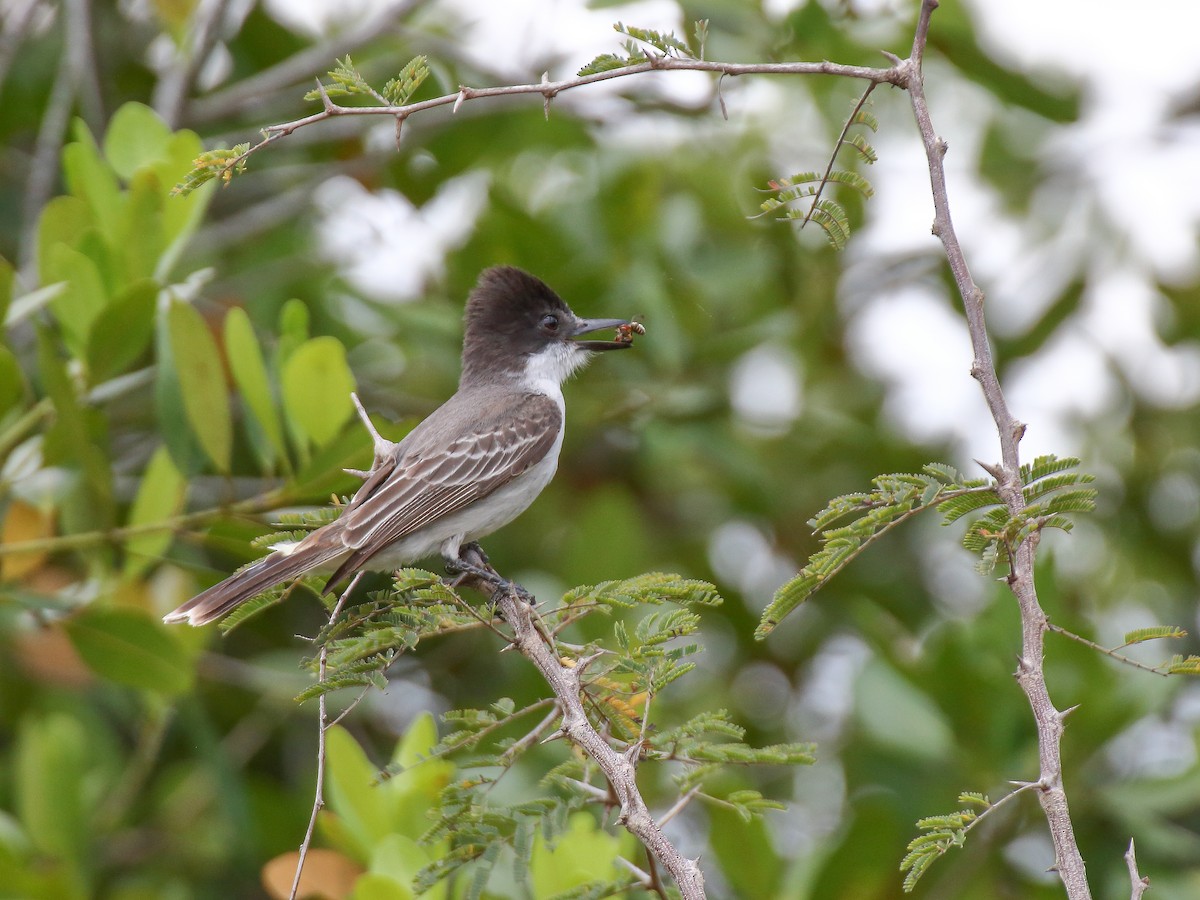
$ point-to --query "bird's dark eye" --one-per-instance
(550, 323)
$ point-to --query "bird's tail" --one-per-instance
(212, 604)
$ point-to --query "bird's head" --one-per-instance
(516, 324)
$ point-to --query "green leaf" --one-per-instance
(201, 381)
(71, 440)
(399, 89)
(91, 179)
(129, 647)
(1153, 633)
(584, 853)
(6, 285)
(50, 766)
(63, 220)
(250, 375)
(136, 137)
(160, 496)
(12, 381)
(122, 331)
(78, 306)
(353, 794)
(605, 62)
(173, 426)
(317, 384)
(139, 232)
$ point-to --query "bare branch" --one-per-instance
(1120, 657)
(1068, 861)
(323, 726)
(1140, 882)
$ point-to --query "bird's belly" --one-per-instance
(478, 520)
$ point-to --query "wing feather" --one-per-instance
(426, 486)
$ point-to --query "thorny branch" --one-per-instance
(550, 89)
(1030, 674)
(618, 768)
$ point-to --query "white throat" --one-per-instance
(546, 370)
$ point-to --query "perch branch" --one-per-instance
(617, 767)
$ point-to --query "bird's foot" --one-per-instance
(472, 562)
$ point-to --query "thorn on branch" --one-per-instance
(721, 97)
(1139, 882)
(993, 469)
(462, 96)
(328, 104)
(892, 58)
(399, 129)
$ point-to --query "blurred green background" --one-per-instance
(144, 761)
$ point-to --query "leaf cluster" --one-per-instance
(940, 833)
(655, 617)
(800, 197)
(665, 45)
(1051, 492)
(345, 80)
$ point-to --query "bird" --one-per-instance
(471, 467)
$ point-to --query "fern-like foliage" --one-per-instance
(801, 197)
(1152, 633)
(648, 644)
(1052, 492)
(220, 163)
(643, 42)
(345, 81)
(893, 499)
(940, 833)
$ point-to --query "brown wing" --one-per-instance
(427, 484)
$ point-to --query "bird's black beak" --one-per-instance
(586, 326)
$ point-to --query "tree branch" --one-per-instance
(549, 89)
(618, 768)
(1140, 883)
(323, 725)
(1030, 674)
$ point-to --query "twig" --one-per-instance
(1030, 674)
(1141, 883)
(324, 726)
(43, 169)
(617, 768)
(548, 89)
(262, 503)
(862, 101)
(1120, 657)
(170, 95)
(296, 68)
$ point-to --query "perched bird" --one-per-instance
(475, 464)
